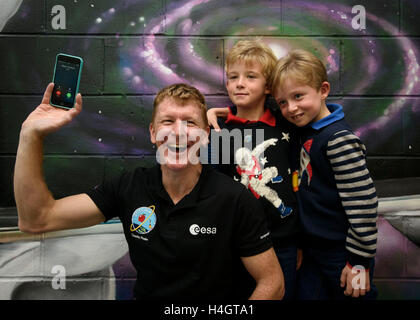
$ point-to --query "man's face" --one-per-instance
(301, 104)
(178, 131)
(246, 84)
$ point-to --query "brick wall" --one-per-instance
(133, 48)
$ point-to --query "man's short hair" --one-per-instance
(251, 51)
(181, 93)
(301, 66)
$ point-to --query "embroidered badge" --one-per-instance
(143, 220)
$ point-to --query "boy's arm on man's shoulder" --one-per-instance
(214, 114)
(215, 149)
(347, 156)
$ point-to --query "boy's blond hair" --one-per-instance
(251, 51)
(181, 93)
(301, 66)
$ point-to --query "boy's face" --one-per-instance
(301, 104)
(246, 84)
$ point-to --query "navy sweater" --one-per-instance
(337, 198)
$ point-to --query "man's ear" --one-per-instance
(152, 133)
(208, 133)
(325, 90)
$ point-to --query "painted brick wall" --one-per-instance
(133, 48)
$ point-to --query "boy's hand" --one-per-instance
(212, 115)
(355, 281)
(46, 118)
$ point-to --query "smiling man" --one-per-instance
(187, 226)
(179, 126)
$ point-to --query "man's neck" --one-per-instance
(252, 114)
(179, 183)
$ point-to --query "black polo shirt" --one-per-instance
(189, 250)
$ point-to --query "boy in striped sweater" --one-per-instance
(337, 198)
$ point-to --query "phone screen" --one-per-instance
(66, 78)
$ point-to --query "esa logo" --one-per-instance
(195, 229)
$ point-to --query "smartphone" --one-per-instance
(66, 78)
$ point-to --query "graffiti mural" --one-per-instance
(85, 258)
(132, 48)
(9, 8)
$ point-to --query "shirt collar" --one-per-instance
(266, 118)
(156, 185)
(335, 115)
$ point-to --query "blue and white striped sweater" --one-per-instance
(338, 200)
(358, 195)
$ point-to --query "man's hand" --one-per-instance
(46, 118)
(355, 281)
(38, 210)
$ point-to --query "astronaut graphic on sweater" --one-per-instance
(255, 179)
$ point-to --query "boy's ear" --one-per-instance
(325, 90)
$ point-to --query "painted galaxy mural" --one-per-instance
(131, 49)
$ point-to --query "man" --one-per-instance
(186, 225)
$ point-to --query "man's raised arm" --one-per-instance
(38, 211)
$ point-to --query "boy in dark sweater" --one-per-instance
(337, 198)
(261, 157)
